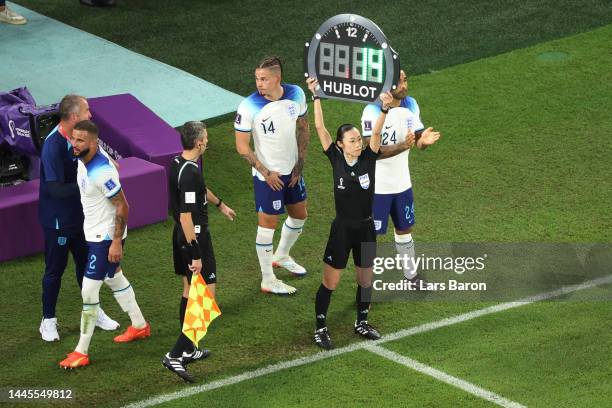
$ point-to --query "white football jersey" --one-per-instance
(393, 174)
(98, 182)
(273, 126)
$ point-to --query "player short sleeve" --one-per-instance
(188, 186)
(107, 181)
(413, 106)
(301, 101)
(244, 116)
(368, 119)
(51, 159)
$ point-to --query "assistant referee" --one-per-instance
(354, 172)
(191, 240)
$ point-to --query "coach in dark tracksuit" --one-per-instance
(61, 215)
(354, 172)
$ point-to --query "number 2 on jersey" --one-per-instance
(269, 128)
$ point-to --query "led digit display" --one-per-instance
(352, 59)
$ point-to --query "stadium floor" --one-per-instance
(73, 57)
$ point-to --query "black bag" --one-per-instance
(43, 119)
(13, 167)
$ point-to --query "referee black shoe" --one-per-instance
(197, 354)
(176, 366)
(322, 339)
(364, 329)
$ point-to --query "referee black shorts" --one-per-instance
(346, 236)
(182, 256)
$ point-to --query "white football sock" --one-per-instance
(263, 244)
(405, 246)
(292, 228)
(124, 294)
(91, 304)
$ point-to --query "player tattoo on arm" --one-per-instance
(121, 214)
(243, 148)
(390, 151)
(303, 139)
(115, 251)
(252, 159)
(393, 150)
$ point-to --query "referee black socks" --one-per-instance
(363, 299)
(321, 305)
(182, 309)
(182, 343)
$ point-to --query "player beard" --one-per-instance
(81, 153)
(399, 94)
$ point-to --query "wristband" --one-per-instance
(315, 97)
(219, 203)
(194, 250)
(383, 110)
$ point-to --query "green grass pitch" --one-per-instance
(521, 92)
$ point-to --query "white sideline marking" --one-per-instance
(361, 345)
(442, 376)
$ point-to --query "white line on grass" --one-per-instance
(442, 376)
(360, 345)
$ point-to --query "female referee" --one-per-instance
(353, 170)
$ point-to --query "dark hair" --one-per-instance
(191, 132)
(88, 126)
(69, 105)
(342, 130)
(271, 63)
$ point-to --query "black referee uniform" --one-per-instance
(188, 194)
(353, 196)
(352, 227)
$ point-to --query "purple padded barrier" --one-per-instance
(146, 190)
(144, 184)
(129, 128)
(20, 232)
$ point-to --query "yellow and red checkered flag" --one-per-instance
(201, 310)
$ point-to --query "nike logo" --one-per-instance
(388, 127)
(268, 250)
(266, 118)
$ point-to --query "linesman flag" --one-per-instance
(201, 310)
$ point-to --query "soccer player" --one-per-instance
(393, 193)
(272, 115)
(106, 213)
(61, 215)
(191, 240)
(354, 181)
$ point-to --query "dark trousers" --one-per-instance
(58, 243)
